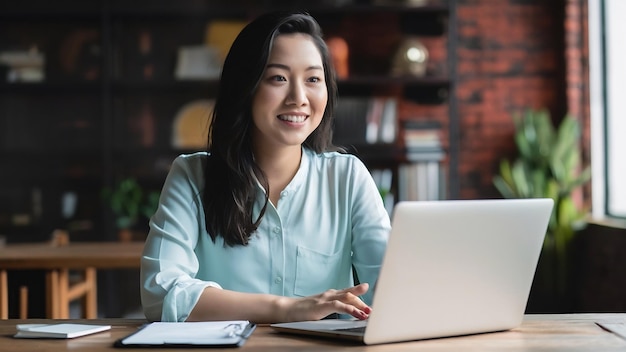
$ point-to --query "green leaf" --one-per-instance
(504, 188)
(520, 179)
(546, 136)
(129, 202)
(548, 165)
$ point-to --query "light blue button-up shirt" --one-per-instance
(329, 218)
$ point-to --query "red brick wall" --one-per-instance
(510, 57)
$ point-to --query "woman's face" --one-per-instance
(291, 97)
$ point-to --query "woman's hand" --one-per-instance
(316, 307)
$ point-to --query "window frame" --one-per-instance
(606, 168)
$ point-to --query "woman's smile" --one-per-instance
(293, 118)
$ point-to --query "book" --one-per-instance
(232, 333)
(58, 331)
(388, 121)
(421, 181)
(350, 125)
(422, 134)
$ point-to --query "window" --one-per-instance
(607, 59)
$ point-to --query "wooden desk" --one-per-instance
(575, 332)
(57, 261)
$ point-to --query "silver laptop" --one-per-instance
(451, 268)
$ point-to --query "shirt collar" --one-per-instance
(300, 176)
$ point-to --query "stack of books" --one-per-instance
(422, 141)
(422, 177)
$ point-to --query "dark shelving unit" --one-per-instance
(75, 129)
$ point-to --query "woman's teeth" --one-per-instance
(292, 118)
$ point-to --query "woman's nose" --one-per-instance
(297, 94)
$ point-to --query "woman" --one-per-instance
(267, 224)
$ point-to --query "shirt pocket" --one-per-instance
(314, 271)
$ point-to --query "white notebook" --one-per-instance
(58, 331)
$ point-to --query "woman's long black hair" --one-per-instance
(231, 174)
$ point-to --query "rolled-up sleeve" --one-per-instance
(169, 289)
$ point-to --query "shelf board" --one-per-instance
(206, 86)
(425, 90)
(69, 154)
(51, 87)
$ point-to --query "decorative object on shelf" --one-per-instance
(339, 53)
(24, 66)
(80, 54)
(144, 43)
(220, 34)
(130, 202)
(143, 125)
(198, 62)
(548, 165)
(191, 125)
(411, 58)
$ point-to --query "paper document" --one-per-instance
(209, 334)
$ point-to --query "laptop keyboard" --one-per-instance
(360, 329)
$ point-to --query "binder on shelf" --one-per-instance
(350, 121)
(388, 121)
(369, 120)
(374, 115)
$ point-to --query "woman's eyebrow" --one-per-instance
(287, 68)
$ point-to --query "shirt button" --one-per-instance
(285, 193)
(278, 279)
(276, 230)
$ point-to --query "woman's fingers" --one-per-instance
(338, 306)
(344, 301)
(358, 289)
(347, 301)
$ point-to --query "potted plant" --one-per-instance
(548, 165)
(130, 203)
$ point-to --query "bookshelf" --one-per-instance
(104, 109)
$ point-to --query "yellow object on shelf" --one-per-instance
(191, 125)
(221, 35)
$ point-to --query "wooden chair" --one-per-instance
(64, 287)
(23, 302)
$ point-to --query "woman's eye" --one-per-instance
(315, 79)
(278, 78)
